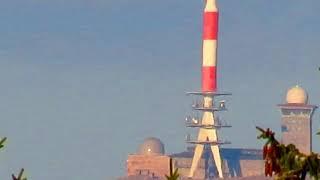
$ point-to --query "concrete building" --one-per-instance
(151, 162)
(296, 120)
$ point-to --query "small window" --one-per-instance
(284, 128)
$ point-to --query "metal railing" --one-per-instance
(199, 105)
(197, 122)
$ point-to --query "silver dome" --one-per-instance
(151, 146)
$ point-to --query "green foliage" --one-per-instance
(20, 176)
(174, 175)
(2, 141)
(286, 161)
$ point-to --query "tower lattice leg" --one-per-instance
(207, 135)
(197, 156)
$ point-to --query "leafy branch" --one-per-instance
(286, 162)
(2, 141)
(174, 175)
(19, 177)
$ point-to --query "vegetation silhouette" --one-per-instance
(20, 175)
(286, 162)
(174, 175)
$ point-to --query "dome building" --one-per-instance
(296, 119)
(151, 146)
(297, 95)
(149, 161)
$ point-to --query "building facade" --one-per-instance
(296, 120)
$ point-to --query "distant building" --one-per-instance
(150, 162)
(296, 120)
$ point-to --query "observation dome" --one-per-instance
(297, 95)
(151, 146)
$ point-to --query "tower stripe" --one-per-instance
(209, 83)
(210, 28)
(209, 53)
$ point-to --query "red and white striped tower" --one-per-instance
(209, 53)
(209, 124)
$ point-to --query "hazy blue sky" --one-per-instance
(83, 82)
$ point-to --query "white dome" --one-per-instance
(151, 146)
(297, 95)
